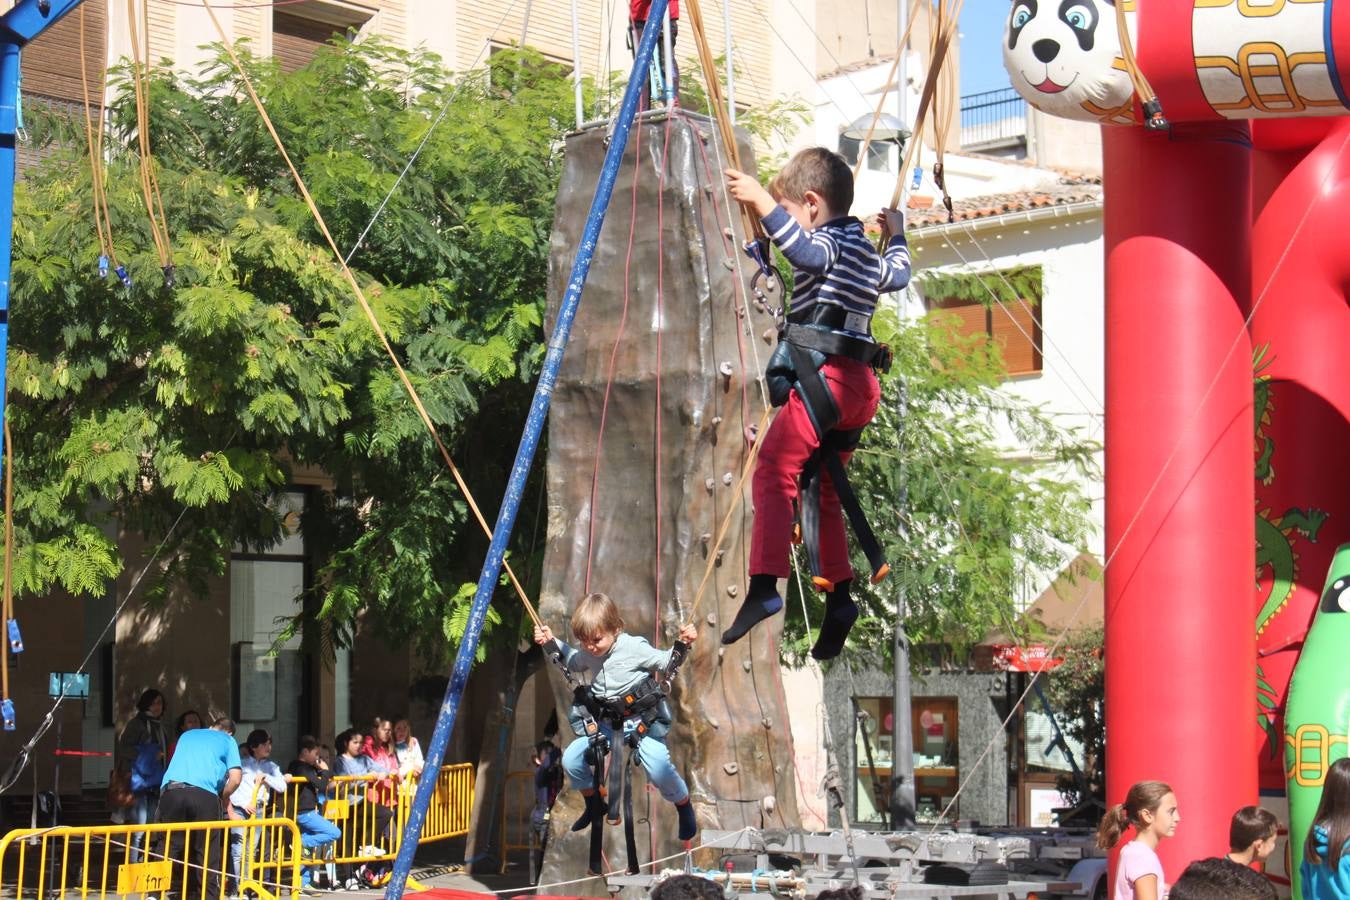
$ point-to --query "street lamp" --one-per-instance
(888, 130)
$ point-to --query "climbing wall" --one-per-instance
(646, 446)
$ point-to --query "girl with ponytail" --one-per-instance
(1151, 807)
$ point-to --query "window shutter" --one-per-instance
(296, 39)
(51, 63)
(1015, 330)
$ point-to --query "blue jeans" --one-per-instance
(315, 830)
(653, 754)
(143, 811)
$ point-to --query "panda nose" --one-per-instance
(1045, 49)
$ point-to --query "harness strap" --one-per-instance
(827, 458)
(629, 838)
(818, 336)
(820, 405)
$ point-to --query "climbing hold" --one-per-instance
(716, 420)
(732, 590)
(730, 768)
(720, 554)
(769, 335)
(726, 369)
(714, 723)
(729, 263)
(706, 538)
(721, 652)
(745, 664)
(766, 722)
(728, 479)
(710, 484)
(769, 804)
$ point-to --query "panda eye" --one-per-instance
(1343, 600)
(1021, 16)
(1078, 17)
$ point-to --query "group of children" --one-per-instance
(1151, 808)
(838, 275)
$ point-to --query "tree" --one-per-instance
(133, 405)
(1077, 691)
(971, 490)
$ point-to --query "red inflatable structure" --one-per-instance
(1226, 323)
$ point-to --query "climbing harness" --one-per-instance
(641, 711)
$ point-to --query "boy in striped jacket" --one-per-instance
(837, 277)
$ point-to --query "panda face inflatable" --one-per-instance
(1063, 57)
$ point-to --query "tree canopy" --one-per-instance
(130, 405)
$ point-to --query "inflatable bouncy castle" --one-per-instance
(1226, 154)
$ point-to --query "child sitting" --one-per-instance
(837, 276)
(619, 663)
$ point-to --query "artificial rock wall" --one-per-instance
(666, 305)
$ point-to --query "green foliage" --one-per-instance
(129, 405)
(973, 493)
(1077, 691)
(1011, 285)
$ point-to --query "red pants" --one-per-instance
(788, 445)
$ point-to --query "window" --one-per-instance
(51, 63)
(879, 153)
(299, 31)
(935, 748)
(1015, 327)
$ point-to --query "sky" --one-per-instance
(982, 24)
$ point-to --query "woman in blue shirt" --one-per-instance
(1326, 856)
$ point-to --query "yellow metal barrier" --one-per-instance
(516, 831)
(370, 830)
(189, 858)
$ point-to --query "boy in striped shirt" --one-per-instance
(837, 277)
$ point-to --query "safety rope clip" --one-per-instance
(766, 280)
(103, 266)
(124, 276)
(7, 713)
(15, 639)
(1154, 120)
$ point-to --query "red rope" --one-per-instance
(613, 360)
(660, 333)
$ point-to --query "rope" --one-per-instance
(350, 277)
(890, 79)
(94, 140)
(154, 203)
(8, 603)
(941, 42)
(1153, 114)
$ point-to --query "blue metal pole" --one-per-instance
(9, 123)
(529, 442)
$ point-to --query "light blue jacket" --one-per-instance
(1319, 881)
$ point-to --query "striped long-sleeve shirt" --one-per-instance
(836, 265)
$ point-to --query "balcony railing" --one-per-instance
(993, 119)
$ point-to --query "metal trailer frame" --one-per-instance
(1041, 862)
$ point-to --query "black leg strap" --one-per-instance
(853, 509)
(629, 838)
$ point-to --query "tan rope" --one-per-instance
(8, 602)
(890, 78)
(941, 42)
(721, 113)
(365, 305)
(154, 204)
(94, 139)
(1153, 115)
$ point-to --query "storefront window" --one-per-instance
(934, 723)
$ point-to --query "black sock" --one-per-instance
(595, 810)
(761, 601)
(840, 614)
(688, 823)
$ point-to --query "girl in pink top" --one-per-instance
(1151, 808)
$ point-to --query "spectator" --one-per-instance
(142, 751)
(260, 776)
(1326, 856)
(407, 751)
(379, 748)
(1221, 879)
(316, 832)
(1252, 835)
(198, 783)
(694, 887)
(1151, 807)
(367, 821)
(187, 721)
(548, 774)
